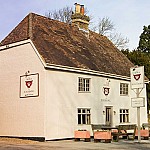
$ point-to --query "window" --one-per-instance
(84, 85)
(124, 115)
(84, 116)
(123, 89)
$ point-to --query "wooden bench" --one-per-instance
(82, 134)
(100, 134)
(125, 131)
(146, 126)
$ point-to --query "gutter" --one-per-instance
(90, 72)
(4, 47)
(85, 71)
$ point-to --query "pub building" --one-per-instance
(57, 78)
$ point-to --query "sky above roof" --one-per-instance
(128, 16)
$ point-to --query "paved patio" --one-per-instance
(17, 144)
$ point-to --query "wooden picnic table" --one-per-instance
(108, 128)
(123, 131)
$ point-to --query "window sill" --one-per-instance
(84, 92)
(121, 123)
(83, 124)
(123, 95)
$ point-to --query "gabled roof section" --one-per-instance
(63, 44)
(19, 33)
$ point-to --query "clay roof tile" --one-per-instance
(63, 44)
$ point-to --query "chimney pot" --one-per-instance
(82, 9)
(77, 8)
(80, 19)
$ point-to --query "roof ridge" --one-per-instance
(30, 34)
(62, 44)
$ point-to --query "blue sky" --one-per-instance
(129, 16)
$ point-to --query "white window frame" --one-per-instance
(84, 84)
(84, 116)
(124, 89)
(124, 115)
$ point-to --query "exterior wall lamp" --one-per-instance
(103, 112)
(114, 112)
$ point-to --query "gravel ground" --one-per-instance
(17, 141)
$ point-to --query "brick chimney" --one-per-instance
(80, 19)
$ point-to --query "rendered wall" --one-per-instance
(22, 117)
(53, 114)
(63, 99)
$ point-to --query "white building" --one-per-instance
(56, 78)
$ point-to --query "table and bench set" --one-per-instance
(107, 134)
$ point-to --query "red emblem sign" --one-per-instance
(106, 90)
(137, 76)
(29, 83)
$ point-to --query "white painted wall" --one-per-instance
(20, 116)
(63, 99)
(53, 114)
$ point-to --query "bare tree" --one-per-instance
(105, 25)
(63, 14)
(119, 41)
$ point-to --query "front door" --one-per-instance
(108, 119)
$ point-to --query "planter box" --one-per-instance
(102, 135)
(143, 133)
(82, 135)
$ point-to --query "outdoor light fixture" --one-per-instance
(114, 112)
(103, 112)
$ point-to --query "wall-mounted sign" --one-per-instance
(106, 88)
(137, 77)
(138, 102)
(106, 91)
(29, 85)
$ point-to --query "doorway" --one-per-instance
(108, 117)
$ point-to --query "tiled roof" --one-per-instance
(63, 44)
